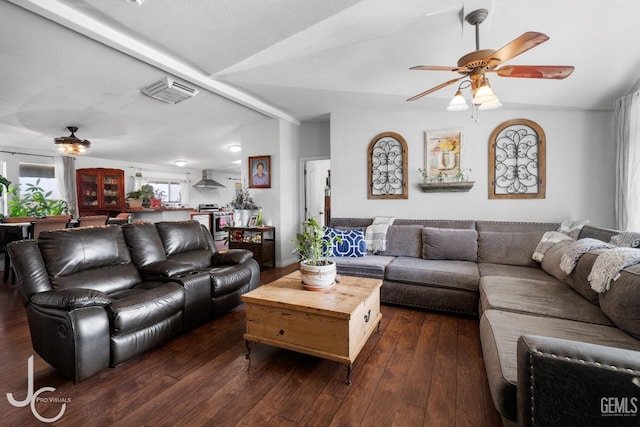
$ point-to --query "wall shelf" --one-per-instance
(445, 187)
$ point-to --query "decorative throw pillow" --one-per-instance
(627, 239)
(352, 245)
(549, 239)
(572, 228)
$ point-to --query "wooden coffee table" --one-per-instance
(333, 324)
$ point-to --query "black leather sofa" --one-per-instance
(98, 296)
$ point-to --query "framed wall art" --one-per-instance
(442, 153)
(260, 172)
(387, 167)
(517, 161)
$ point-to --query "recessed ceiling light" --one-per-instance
(237, 162)
(180, 163)
(235, 148)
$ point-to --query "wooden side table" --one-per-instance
(259, 240)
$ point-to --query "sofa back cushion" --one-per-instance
(404, 240)
(449, 243)
(579, 278)
(144, 243)
(93, 258)
(621, 303)
(551, 261)
(512, 248)
(182, 236)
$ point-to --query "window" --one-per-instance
(30, 173)
(171, 190)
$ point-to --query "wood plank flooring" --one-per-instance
(423, 369)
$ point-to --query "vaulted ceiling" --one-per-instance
(83, 63)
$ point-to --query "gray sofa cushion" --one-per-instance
(579, 278)
(534, 273)
(368, 266)
(537, 297)
(449, 243)
(499, 332)
(622, 301)
(404, 240)
(442, 273)
(551, 261)
(513, 248)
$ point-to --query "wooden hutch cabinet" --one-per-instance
(100, 191)
(259, 240)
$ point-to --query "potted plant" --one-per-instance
(317, 270)
(140, 197)
(33, 203)
(243, 206)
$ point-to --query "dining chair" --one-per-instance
(92, 220)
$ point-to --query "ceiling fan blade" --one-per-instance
(433, 89)
(516, 47)
(536, 71)
(440, 68)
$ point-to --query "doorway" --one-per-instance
(317, 190)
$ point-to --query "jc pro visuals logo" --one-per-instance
(619, 406)
(33, 398)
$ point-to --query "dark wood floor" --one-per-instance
(422, 369)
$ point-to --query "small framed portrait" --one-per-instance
(260, 172)
(253, 220)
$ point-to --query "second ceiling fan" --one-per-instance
(476, 64)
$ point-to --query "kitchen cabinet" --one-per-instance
(100, 191)
(259, 240)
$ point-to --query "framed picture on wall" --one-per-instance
(442, 152)
(260, 172)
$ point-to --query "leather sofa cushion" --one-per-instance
(232, 256)
(181, 236)
(622, 301)
(166, 268)
(71, 250)
(499, 332)
(105, 279)
(404, 240)
(538, 297)
(144, 305)
(512, 248)
(197, 258)
(144, 243)
(441, 273)
(369, 266)
(225, 280)
(449, 243)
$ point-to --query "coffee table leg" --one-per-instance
(248, 353)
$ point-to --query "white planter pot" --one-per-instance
(318, 277)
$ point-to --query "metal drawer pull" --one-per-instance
(367, 316)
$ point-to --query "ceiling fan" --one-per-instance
(476, 64)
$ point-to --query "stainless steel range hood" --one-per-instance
(207, 181)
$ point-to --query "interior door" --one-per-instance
(315, 181)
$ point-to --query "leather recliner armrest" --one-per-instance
(71, 299)
(165, 268)
(231, 256)
(562, 382)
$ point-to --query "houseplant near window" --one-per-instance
(33, 203)
(317, 270)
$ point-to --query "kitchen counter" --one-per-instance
(160, 214)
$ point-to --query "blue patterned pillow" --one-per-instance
(352, 245)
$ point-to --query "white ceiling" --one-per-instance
(83, 62)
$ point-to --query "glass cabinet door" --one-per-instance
(89, 190)
(112, 196)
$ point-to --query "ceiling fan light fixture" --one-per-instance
(458, 103)
(491, 105)
(484, 94)
(72, 145)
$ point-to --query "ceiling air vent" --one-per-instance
(169, 90)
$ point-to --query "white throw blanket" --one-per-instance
(608, 265)
(375, 235)
(578, 248)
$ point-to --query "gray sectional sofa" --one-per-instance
(556, 352)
